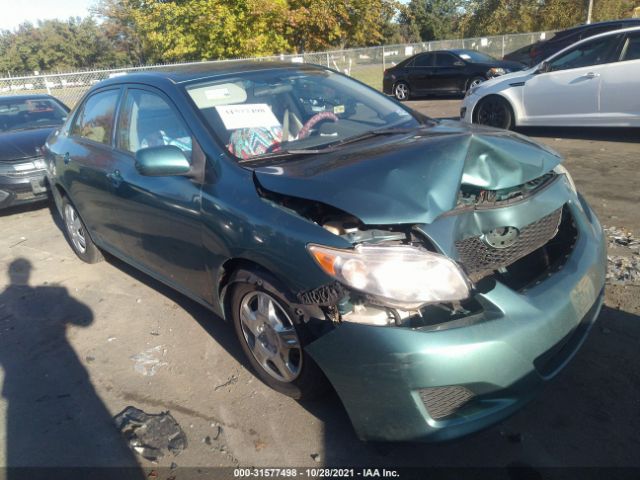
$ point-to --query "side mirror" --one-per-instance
(544, 67)
(162, 161)
(459, 63)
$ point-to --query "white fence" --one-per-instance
(365, 64)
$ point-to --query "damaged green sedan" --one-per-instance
(434, 274)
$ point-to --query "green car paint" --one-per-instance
(192, 229)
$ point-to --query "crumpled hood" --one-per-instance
(411, 179)
(22, 143)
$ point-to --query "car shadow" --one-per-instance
(55, 420)
(24, 208)
(603, 134)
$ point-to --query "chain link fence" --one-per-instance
(364, 64)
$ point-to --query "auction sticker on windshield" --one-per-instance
(248, 115)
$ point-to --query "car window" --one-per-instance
(147, 120)
(95, 118)
(266, 112)
(595, 52)
(30, 113)
(424, 60)
(445, 60)
(632, 48)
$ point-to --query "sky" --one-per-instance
(14, 12)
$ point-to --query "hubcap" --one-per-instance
(75, 228)
(270, 335)
(401, 91)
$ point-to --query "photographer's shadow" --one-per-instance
(54, 417)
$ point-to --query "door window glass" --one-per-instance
(95, 119)
(632, 49)
(147, 120)
(445, 60)
(595, 52)
(425, 60)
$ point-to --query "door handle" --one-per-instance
(115, 177)
(592, 75)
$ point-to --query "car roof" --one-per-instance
(178, 74)
(586, 26)
(22, 97)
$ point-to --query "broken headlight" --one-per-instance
(404, 276)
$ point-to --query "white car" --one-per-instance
(595, 82)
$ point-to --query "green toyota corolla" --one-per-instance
(434, 274)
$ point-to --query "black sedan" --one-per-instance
(443, 72)
(25, 123)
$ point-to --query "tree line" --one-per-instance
(138, 32)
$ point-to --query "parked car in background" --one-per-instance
(536, 52)
(435, 273)
(25, 123)
(443, 72)
(593, 83)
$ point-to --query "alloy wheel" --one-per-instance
(493, 113)
(75, 228)
(271, 336)
(401, 91)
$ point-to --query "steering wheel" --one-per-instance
(313, 121)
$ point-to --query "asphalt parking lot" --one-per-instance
(79, 343)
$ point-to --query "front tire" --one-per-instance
(78, 235)
(494, 111)
(401, 91)
(272, 340)
(473, 82)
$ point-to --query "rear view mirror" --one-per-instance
(162, 161)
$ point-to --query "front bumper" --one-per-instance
(21, 189)
(468, 105)
(384, 375)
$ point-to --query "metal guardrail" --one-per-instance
(365, 64)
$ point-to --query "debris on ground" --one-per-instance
(151, 435)
(149, 361)
(230, 381)
(624, 256)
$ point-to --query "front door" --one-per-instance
(159, 217)
(569, 92)
(449, 73)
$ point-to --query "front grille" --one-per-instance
(480, 258)
(442, 402)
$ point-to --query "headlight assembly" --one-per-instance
(496, 72)
(561, 170)
(403, 276)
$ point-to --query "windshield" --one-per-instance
(255, 114)
(23, 114)
(476, 57)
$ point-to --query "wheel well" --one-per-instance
(226, 278)
(474, 114)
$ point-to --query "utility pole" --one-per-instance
(590, 12)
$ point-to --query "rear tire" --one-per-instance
(271, 338)
(494, 111)
(77, 234)
(401, 91)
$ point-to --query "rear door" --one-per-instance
(619, 99)
(159, 217)
(87, 155)
(420, 73)
(569, 93)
